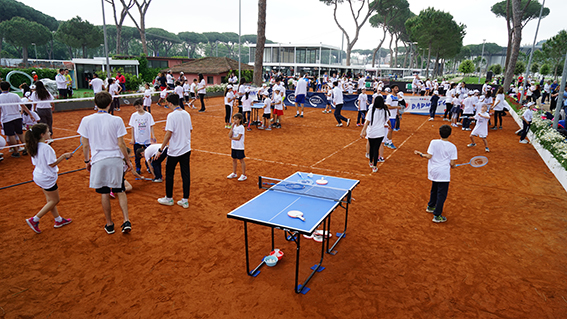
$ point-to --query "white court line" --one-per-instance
(336, 152)
(403, 143)
(282, 163)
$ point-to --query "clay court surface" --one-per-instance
(500, 255)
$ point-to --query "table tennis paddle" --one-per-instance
(322, 181)
(296, 214)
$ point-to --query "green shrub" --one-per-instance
(17, 80)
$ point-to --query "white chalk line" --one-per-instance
(358, 139)
(403, 143)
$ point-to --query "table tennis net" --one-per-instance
(306, 187)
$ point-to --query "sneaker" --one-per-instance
(15, 155)
(390, 146)
(374, 169)
(109, 229)
(248, 129)
(165, 201)
(232, 175)
(229, 126)
(500, 127)
(324, 111)
(471, 145)
(62, 223)
(226, 126)
(380, 159)
(370, 164)
(518, 132)
(367, 155)
(33, 225)
(445, 119)
(126, 227)
(301, 116)
(278, 125)
(431, 119)
(296, 115)
(157, 180)
(242, 178)
(430, 209)
(261, 127)
(112, 194)
(486, 149)
(268, 129)
(439, 219)
(523, 141)
(339, 125)
(201, 111)
(468, 129)
(347, 122)
(183, 203)
(459, 123)
(24, 152)
(357, 124)
(396, 129)
(139, 171)
(493, 128)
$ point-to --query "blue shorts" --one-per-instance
(392, 123)
(300, 99)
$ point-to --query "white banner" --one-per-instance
(421, 104)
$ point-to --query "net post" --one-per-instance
(260, 182)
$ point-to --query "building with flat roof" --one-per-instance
(315, 59)
(85, 68)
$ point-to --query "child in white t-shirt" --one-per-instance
(278, 108)
(481, 127)
(228, 103)
(142, 124)
(186, 90)
(179, 91)
(267, 112)
(236, 136)
(247, 108)
(192, 93)
(148, 98)
(441, 155)
(362, 107)
(45, 173)
(162, 97)
(527, 121)
(329, 95)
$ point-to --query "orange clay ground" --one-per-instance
(500, 255)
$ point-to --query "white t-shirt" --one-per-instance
(114, 89)
(179, 91)
(179, 123)
(61, 81)
(192, 89)
(151, 151)
(468, 105)
(186, 89)
(147, 97)
(238, 145)
(267, 105)
(528, 115)
(301, 87)
(163, 94)
(44, 175)
(141, 125)
(201, 88)
(169, 79)
(97, 84)
(449, 96)
(376, 124)
(499, 102)
(41, 104)
(361, 82)
(278, 104)
(103, 131)
(363, 102)
(439, 165)
(10, 112)
(392, 100)
(227, 98)
(247, 103)
(337, 96)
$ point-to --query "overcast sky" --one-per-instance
(303, 21)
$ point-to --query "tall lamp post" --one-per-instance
(239, 24)
(480, 63)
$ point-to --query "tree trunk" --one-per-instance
(428, 59)
(396, 52)
(260, 42)
(517, 20)
(391, 52)
(70, 52)
(405, 55)
(118, 39)
(143, 37)
(25, 55)
(510, 34)
(436, 67)
(378, 48)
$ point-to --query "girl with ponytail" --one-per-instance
(375, 128)
(45, 173)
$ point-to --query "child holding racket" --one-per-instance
(481, 127)
(441, 155)
(236, 136)
(45, 173)
(142, 124)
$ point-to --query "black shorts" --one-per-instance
(192, 95)
(238, 154)
(13, 127)
(52, 188)
(63, 93)
(267, 115)
(106, 190)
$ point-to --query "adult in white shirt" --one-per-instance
(178, 128)
(442, 155)
(202, 90)
(11, 117)
(301, 94)
(43, 104)
(546, 91)
(393, 107)
(415, 84)
(169, 80)
(338, 101)
(61, 81)
(498, 107)
(361, 83)
(97, 84)
(450, 95)
(102, 136)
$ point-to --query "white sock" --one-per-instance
(297, 112)
(35, 219)
(58, 219)
(301, 112)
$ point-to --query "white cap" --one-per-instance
(33, 72)
(229, 86)
(264, 85)
(530, 104)
(471, 92)
(388, 90)
(28, 93)
(436, 92)
(181, 73)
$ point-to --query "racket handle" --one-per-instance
(301, 217)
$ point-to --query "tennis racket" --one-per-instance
(477, 161)
(73, 152)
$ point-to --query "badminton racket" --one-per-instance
(477, 161)
(73, 152)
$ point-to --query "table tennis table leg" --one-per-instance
(339, 237)
(316, 268)
(254, 272)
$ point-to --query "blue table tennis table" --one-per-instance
(297, 192)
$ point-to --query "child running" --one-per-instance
(45, 173)
(441, 155)
(162, 97)
(236, 135)
(481, 127)
(142, 124)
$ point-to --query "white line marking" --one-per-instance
(403, 143)
(298, 198)
(358, 139)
